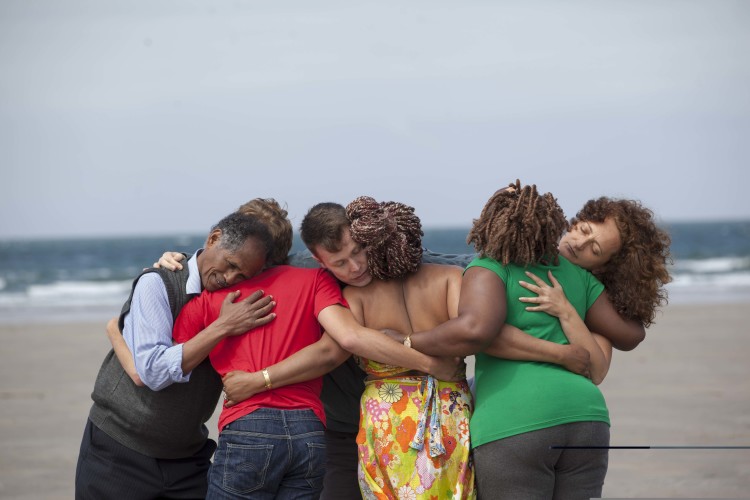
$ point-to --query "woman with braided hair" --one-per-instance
(525, 407)
(414, 429)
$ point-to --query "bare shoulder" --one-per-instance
(438, 275)
(435, 287)
(374, 288)
(351, 292)
(442, 270)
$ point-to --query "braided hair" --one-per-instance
(519, 226)
(391, 233)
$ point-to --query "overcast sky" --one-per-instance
(125, 117)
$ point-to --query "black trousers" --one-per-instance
(340, 482)
(108, 470)
(523, 467)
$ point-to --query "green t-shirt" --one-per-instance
(513, 397)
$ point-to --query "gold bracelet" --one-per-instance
(267, 377)
(407, 340)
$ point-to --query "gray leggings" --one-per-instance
(524, 467)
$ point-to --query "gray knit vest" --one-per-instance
(169, 423)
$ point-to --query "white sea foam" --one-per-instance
(734, 279)
(64, 301)
(69, 293)
(715, 265)
(80, 289)
(694, 281)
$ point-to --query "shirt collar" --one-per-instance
(193, 284)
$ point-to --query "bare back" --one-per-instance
(418, 302)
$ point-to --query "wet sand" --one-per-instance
(688, 384)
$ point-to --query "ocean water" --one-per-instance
(88, 279)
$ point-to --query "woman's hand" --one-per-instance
(170, 260)
(550, 299)
(576, 359)
(397, 336)
(448, 368)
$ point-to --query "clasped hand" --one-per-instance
(448, 368)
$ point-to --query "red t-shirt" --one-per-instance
(300, 295)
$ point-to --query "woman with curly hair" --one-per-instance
(634, 275)
(524, 407)
(620, 243)
(414, 429)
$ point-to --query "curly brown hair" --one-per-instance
(268, 211)
(635, 276)
(392, 234)
(519, 226)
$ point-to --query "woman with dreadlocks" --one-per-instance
(523, 407)
(620, 243)
(414, 430)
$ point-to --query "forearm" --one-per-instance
(340, 324)
(377, 346)
(513, 343)
(602, 318)
(458, 337)
(578, 334)
(606, 347)
(124, 356)
(195, 350)
(636, 333)
(311, 362)
(481, 313)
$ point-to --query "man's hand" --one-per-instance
(448, 369)
(237, 318)
(576, 359)
(170, 260)
(239, 386)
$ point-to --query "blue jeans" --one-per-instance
(269, 453)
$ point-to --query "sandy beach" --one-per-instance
(686, 385)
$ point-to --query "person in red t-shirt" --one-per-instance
(273, 442)
(304, 294)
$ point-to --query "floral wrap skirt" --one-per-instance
(414, 439)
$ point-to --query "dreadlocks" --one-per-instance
(519, 226)
(392, 234)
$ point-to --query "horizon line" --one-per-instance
(197, 233)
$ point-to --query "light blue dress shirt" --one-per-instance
(148, 329)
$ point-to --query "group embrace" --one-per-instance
(342, 369)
